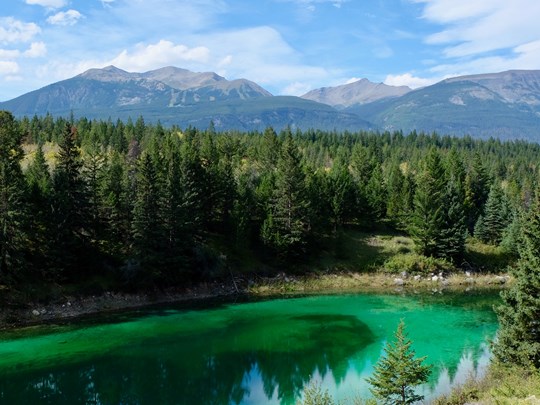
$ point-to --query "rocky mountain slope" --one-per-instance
(178, 96)
(360, 92)
(504, 105)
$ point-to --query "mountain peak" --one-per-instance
(361, 91)
(183, 79)
(107, 74)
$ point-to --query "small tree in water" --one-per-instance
(398, 372)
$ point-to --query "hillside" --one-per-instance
(178, 97)
(504, 105)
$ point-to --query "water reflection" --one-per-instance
(248, 354)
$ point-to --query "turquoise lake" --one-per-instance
(249, 352)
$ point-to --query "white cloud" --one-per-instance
(227, 60)
(158, 55)
(9, 53)
(296, 89)
(8, 67)
(36, 50)
(13, 31)
(480, 26)
(409, 80)
(48, 3)
(107, 3)
(526, 56)
(65, 18)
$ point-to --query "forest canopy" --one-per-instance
(144, 204)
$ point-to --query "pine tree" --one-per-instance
(495, 218)
(376, 194)
(116, 208)
(428, 219)
(477, 186)
(285, 228)
(398, 372)
(518, 339)
(341, 194)
(12, 214)
(70, 205)
(39, 197)
(396, 202)
(148, 229)
(454, 231)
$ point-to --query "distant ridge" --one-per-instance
(180, 97)
(504, 105)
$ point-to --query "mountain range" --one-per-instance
(504, 105)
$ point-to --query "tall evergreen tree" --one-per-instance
(115, 205)
(428, 220)
(456, 208)
(477, 190)
(148, 229)
(12, 215)
(39, 204)
(495, 218)
(341, 194)
(518, 339)
(70, 205)
(398, 372)
(285, 228)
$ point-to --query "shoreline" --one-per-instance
(72, 308)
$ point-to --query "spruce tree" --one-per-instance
(477, 185)
(454, 231)
(12, 214)
(495, 218)
(70, 206)
(115, 209)
(398, 372)
(40, 223)
(285, 228)
(428, 218)
(341, 194)
(148, 230)
(518, 339)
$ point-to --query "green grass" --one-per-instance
(501, 386)
(360, 251)
(487, 258)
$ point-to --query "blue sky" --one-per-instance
(287, 46)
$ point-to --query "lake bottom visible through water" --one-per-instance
(254, 352)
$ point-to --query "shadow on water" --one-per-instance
(210, 370)
(219, 353)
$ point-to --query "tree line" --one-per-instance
(145, 204)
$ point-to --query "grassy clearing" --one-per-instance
(365, 261)
(501, 386)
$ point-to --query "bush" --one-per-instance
(414, 263)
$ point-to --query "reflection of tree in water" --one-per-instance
(206, 368)
(473, 364)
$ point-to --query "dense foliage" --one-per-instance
(143, 204)
(518, 340)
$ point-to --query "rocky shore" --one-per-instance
(71, 307)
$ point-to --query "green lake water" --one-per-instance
(243, 353)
